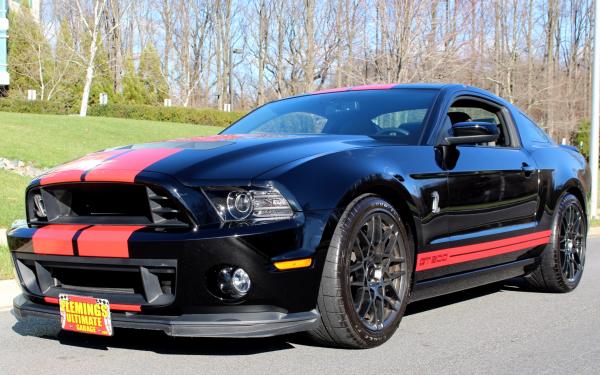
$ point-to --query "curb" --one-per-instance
(594, 232)
(9, 289)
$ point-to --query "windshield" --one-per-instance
(398, 113)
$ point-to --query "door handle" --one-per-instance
(526, 169)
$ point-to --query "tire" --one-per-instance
(567, 248)
(356, 273)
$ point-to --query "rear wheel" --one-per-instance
(561, 265)
(366, 277)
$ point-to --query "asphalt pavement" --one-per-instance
(498, 329)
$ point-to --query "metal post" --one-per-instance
(594, 131)
(230, 76)
(237, 51)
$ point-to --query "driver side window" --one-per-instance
(467, 110)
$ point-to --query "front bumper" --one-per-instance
(239, 325)
(165, 281)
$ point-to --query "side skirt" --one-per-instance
(455, 283)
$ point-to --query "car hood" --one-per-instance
(196, 160)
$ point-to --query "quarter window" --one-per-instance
(530, 132)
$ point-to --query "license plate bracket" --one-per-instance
(85, 315)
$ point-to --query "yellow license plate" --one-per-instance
(85, 315)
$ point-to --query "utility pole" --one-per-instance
(594, 131)
(231, 52)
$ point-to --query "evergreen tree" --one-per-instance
(134, 91)
(68, 74)
(103, 82)
(151, 75)
(29, 55)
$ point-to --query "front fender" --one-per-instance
(405, 176)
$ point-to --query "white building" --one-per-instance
(13, 6)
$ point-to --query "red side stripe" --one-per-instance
(106, 241)
(113, 306)
(72, 171)
(55, 239)
(126, 167)
(460, 254)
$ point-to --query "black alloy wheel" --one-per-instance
(572, 243)
(377, 274)
(562, 261)
(366, 277)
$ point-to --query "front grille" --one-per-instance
(105, 203)
(130, 281)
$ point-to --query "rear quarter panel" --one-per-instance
(561, 169)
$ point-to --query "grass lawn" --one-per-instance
(12, 197)
(6, 271)
(49, 140)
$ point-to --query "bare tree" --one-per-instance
(536, 53)
(92, 28)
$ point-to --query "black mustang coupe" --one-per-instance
(327, 213)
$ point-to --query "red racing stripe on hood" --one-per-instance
(55, 239)
(211, 138)
(109, 241)
(126, 167)
(72, 171)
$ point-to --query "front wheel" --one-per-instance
(366, 277)
(561, 264)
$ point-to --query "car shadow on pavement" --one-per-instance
(517, 284)
(154, 341)
(161, 343)
(450, 299)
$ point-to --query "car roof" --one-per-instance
(382, 86)
(446, 89)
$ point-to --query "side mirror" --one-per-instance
(473, 132)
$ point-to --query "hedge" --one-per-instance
(169, 114)
(37, 106)
(139, 112)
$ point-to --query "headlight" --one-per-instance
(249, 204)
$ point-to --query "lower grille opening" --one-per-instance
(97, 280)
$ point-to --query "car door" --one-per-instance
(492, 192)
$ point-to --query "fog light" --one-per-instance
(234, 282)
